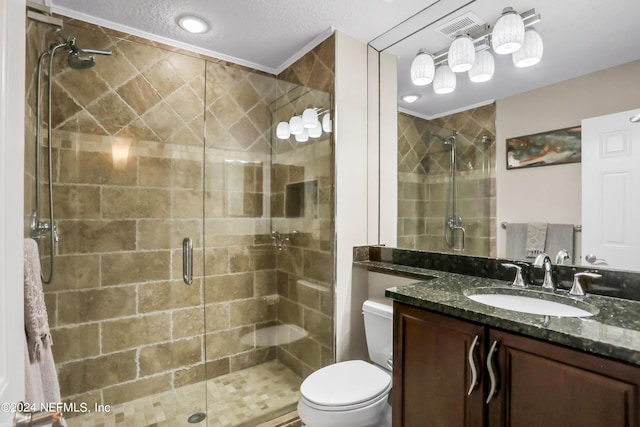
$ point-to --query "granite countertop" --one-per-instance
(614, 331)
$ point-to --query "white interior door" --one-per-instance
(12, 52)
(611, 191)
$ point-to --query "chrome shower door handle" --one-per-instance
(472, 365)
(34, 419)
(187, 261)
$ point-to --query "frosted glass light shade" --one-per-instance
(422, 69)
(444, 80)
(326, 123)
(530, 52)
(309, 118)
(461, 54)
(508, 33)
(282, 130)
(295, 125)
(316, 131)
(483, 67)
(303, 136)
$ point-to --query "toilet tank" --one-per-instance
(378, 327)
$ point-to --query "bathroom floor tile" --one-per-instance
(240, 399)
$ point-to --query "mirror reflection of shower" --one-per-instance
(78, 59)
(454, 232)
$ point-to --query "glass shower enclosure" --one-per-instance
(194, 267)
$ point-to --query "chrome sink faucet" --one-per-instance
(543, 261)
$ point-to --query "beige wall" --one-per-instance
(553, 193)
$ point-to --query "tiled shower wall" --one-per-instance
(305, 263)
(423, 169)
(124, 324)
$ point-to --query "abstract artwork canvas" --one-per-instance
(546, 148)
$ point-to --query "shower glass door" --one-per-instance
(128, 145)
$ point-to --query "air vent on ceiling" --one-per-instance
(467, 23)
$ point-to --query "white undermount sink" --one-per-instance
(532, 302)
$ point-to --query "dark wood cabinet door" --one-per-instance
(431, 371)
(542, 384)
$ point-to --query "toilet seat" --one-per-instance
(345, 386)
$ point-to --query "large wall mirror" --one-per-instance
(455, 190)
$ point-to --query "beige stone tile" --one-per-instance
(187, 103)
(217, 317)
(290, 312)
(135, 267)
(168, 234)
(97, 373)
(250, 311)
(318, 266)
(96, 304)
(118, 202)
(94, 168)
(308, 351)
(115, 69)
(76, 272)
(187, 204)
(264, 283)
(217, 368)
(62, 105)
(84, 86)
(167, 356)
(77, 342)
(91, 236)
(136, 389)
(216, 261)
(161, 172)
(191, 375)
(140, 55)
(164, 77)
(163, 120)
(251, 358)
(319, 326)
(168, 295)
(136, 331)
(225, 343)
(187, 67)
(227, 111)
(244, 132)
(139, 94)
(112, 112)
(75, 201)
(228, 287)
(187, 322)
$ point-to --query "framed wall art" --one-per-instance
(545, 148)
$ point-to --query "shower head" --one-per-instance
(450, 141)
(80, 60)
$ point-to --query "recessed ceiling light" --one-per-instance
(410, 98)
(193, 24)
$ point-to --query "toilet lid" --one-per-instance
(345, 383)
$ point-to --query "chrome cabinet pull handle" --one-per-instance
(187, 261)
(492, 373)
(472, 365)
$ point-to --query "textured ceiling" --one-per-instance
(263, 34)
(580, 37)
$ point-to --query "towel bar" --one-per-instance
(576, 227)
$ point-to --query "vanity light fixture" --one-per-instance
(306, 125)
(444, 81)
(410, 98)
(422, 69)
(193, 24)
(461, 54)
(512, 33)
(508, 33)
(530, 52)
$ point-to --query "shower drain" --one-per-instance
(196, 418)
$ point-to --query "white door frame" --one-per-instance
(12, 98)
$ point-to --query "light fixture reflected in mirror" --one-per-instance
(422, 69)
(306, 125)
(483, 67)
(508, 33)
(120, 152)
(462, 53)
(470, 52)
(531, 50)
(444, 80)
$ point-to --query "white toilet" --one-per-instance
(354, 393)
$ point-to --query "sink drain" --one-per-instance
(196, 418)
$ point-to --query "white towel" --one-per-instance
(41, 379)
(536, 238)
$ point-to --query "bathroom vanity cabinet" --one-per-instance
(518, 381)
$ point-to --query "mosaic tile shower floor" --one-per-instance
(241, 399)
